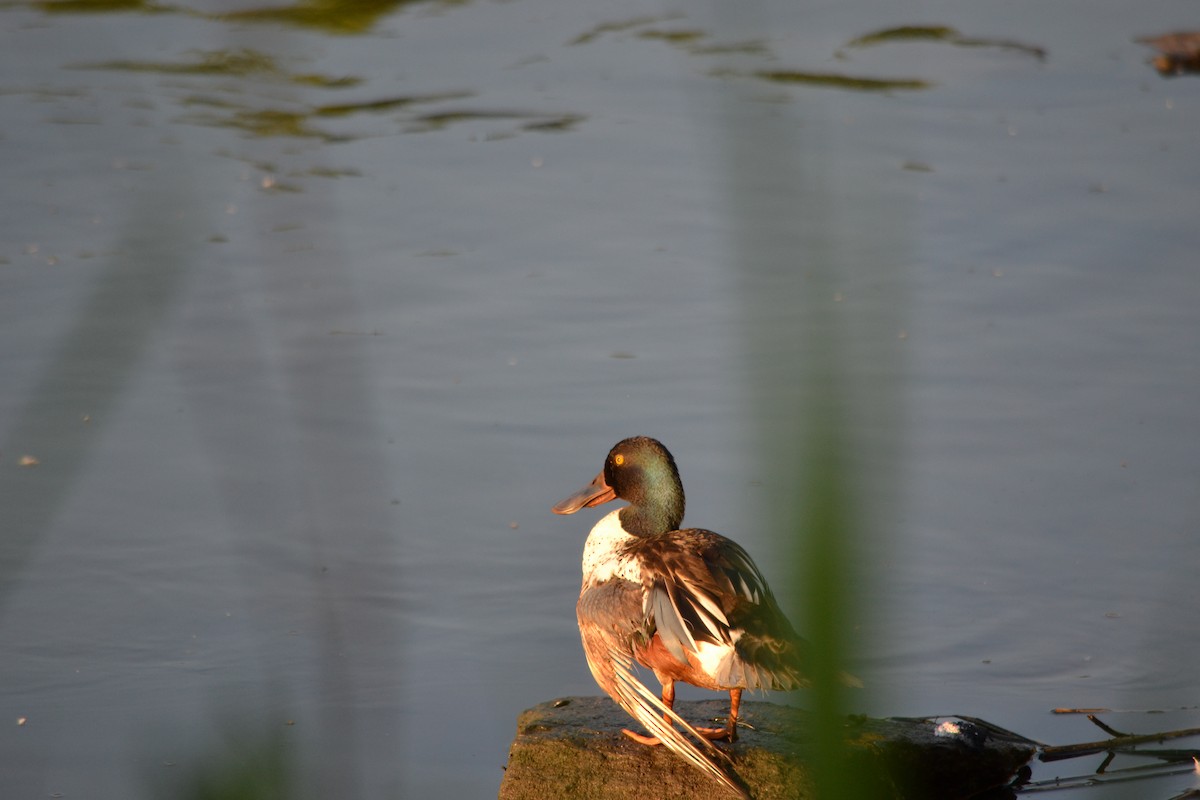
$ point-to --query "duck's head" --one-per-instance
(642, 472)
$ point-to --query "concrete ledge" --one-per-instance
(573, 749)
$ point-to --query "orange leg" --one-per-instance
(735, 702)
(728, 733)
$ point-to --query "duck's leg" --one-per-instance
(728, 733)
(735, 702)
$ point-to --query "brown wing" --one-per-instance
(703, 587)
(610, 621)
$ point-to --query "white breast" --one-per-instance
(602, 553)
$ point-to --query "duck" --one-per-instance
(686, 603)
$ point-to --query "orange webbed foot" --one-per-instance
(712, 734)
(652, 741)
(718, 734)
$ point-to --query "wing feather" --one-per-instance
(701, 587)
(644, 706)
(672, 627)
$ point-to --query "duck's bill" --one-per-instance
(593, 494)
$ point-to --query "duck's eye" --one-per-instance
(618, 459)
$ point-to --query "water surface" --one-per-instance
(309, 318)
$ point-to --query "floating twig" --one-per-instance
(1110, 731)
(1117, 743)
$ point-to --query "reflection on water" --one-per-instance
(241, 63)
(842, 81)
(700, 42)
(231, 107)
(301, 387)
(328, 17)
(941, 33)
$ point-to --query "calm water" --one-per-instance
(307, 321)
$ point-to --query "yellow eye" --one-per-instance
(618, 459)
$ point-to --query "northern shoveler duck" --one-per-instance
(688, 604)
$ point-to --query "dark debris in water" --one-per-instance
(1178, 52)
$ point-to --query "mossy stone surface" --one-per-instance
(573, 749)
